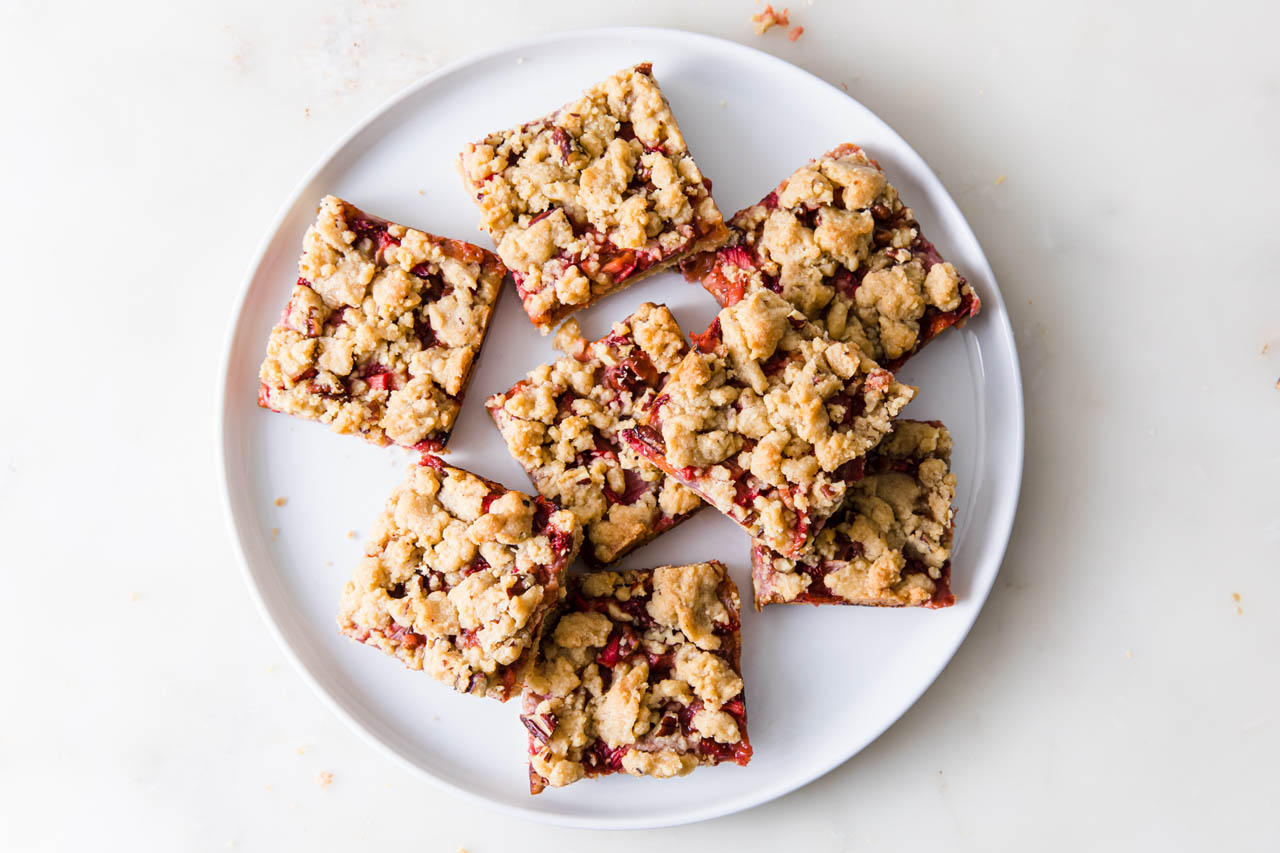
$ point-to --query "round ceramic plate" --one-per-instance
(750, 119)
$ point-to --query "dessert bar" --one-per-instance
(640, 675)
(459, 578)
(836, 241)
(382, 329)
(563, 425)
(593, 197)
(890, 545)
(768, 420)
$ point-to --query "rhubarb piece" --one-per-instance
(768, 420)
(563, 425)
(836, 241)
(460, 577)
(640, 675)
(592, 198)
(890, 545)
(382, 329)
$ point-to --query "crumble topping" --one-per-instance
(890, 544)
(562, 425)
(459, 576)
(835, 240)
(593, 197)
(768, 418)
(381, 330)
(619, 686)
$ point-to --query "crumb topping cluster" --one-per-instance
(594, 196)
(562, 425)
(891, 542)
(459, 576)
(381, 330)
(767, 419)
(835, 240)
(639, 675)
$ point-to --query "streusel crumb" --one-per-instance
(593, 197)
(382, 329)
(768, 419)
(890, 545)
(563, 424)
(641, 674)
(459, 576)
(836, 242)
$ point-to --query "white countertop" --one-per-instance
(1119, 168)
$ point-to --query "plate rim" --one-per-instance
(1002, 520)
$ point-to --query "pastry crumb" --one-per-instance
(301, 750)
(795, 33)
(281, 501)
(275, 532)
(1000, 180)
(1128, 654)
(271, 668)
(326, 779)
(351, 534)
(133, 596)
(768, 19)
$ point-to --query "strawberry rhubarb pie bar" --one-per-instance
(593, 197)
(460, 577)
(836, 241)
(890, 545)
(382, 329)
(769, 420)
(563, 425)
(641, 675)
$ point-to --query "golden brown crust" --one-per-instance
(890, 545)
(641, 674)
(593, 197)
(459, 577)
(382, 329)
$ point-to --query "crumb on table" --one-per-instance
(326, 779)
(281, 501)
(1000, 180)
(768, 19)
(795, 33)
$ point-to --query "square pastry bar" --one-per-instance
(769, 420)
(382, 329)
(890, 545)
(642, 675)
(563, 425)
(835, 240)
(459, 578)
(593, 197)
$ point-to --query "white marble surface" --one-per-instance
(1118, 166)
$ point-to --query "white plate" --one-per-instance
(822, 682)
